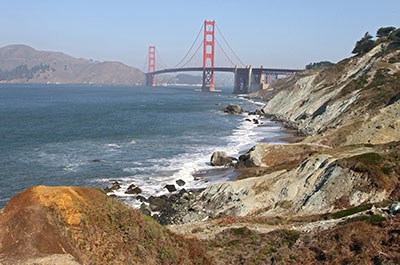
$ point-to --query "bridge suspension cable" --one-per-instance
(229, 46)
(223, 51)
(190, 49)
(198, 48)
(160, 61)
(187, 58)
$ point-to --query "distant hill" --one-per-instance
(188, 79)
(23, 64)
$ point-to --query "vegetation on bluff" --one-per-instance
(366, 43)
(318, 65)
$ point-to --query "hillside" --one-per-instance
(342, 175)
(77, 225)
(23, 64)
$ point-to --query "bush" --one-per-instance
(318, 65)
(395, 35)
(364, 45)
(384, 32)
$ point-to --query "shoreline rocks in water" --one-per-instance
(114, 186)
(233, 109)
(195, 205)
(220, 158)
(180, 182)
(170, 187)
(132, 189)
(258, 112)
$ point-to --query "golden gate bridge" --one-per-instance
(246, 78)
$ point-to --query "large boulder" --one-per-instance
(220, 158)
(254, 157)
(233, 109)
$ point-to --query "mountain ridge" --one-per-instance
(23, 64)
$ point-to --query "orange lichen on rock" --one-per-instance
(64, 199)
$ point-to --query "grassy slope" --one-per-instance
(90, 226)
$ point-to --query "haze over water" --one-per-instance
(92, 135)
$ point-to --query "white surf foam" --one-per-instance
(153, 174)
(114, 145)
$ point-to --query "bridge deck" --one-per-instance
(224, 69)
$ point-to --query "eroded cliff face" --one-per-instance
(350, 114)
(355, 101)
(303, 180)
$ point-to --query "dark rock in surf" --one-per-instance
(233, 109)
(115, 186)
(141, 198)
(258, 112)
(132, 186)
(180, 182)
(135, 190)
(170, 187)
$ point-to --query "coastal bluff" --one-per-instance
(78, 225)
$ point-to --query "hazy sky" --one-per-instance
(272, 33)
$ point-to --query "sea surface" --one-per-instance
(95, 135)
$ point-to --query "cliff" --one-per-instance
(23, 64)
(349, 114)
(344, 174)
(355, 101)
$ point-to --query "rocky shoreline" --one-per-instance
(180, 205)
(340, 138)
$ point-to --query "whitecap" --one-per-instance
(114, 145)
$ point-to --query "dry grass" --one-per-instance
(361, 240)
(382, 169)
(92, 227)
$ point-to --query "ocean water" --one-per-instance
(94, 135)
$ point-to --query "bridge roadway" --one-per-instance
(246, 79)
(225, 69)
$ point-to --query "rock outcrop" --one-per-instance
(253, 158)
(77, 225)
(352, 102)
(220, 158)
(350, 156)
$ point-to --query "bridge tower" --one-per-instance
(150, 78)
(208, 56)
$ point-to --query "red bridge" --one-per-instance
(247, 79)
